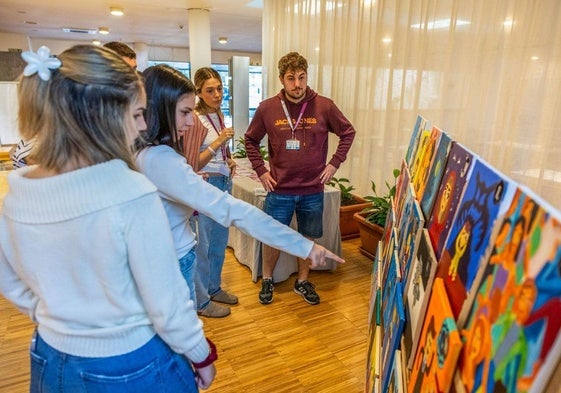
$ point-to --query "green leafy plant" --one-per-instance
(380, 205)
(346, 188)
(242, 153)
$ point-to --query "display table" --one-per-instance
(248, 250)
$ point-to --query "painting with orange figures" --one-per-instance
(487, 196)
(512, 334)
(451, 188)
(439, 346)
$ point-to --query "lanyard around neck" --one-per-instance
(289, 119)
(220, 123)
(218, 131)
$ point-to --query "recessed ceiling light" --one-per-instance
(508, 22)
(223, 40)
(103, 30)
(96, 42)
(117, 11)
(386, 40)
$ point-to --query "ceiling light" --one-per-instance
(508, 23)
(96, 42)
(223, 40)
(117, 11)
(103, 30)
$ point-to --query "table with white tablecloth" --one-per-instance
(248, 250)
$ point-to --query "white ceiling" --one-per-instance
(154, 22)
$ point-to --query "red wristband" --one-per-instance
(212, 356)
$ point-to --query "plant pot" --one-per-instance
(370, 235)
(347, 225)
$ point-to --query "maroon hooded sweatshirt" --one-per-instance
(297, 171)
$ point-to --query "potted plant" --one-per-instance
(350, 204)
(240, 151)
(372, 219)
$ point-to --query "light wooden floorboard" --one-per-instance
(287, 346)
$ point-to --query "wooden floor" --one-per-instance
(286, 346)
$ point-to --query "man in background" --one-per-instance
(124, 51)
(297, 122)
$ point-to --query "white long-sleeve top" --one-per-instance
(183, 191)
(88, 255)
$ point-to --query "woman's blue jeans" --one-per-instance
(187, 265)
(153, 368)
(211, 249)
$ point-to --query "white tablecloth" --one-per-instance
(248, 250)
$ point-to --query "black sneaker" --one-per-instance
(266, 294)
(307, 291)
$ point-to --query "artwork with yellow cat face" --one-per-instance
(487, 196)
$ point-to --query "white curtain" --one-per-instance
(488, 72)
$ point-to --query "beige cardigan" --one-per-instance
(192, 141)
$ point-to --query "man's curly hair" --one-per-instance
(292, 61)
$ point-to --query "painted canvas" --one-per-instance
(373, 361)
(401, 188)
(396, 378)
(409, 233)
(393, 329)
(375, 288)
(418, 289)
(454, 178)
(388, 228)
(487, 196)
(513, 330)
(436, 171)
(439, 346)
(388, 254)
(389, 286)
(420, 124)
(420, 172)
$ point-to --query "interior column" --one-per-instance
(199, 38)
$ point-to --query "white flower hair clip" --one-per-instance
(41, 63)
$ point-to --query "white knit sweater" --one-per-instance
(88, 255)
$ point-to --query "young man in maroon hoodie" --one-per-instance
(297, 122)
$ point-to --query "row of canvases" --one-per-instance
(466, 283)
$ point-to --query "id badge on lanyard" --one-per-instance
(293, 143)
